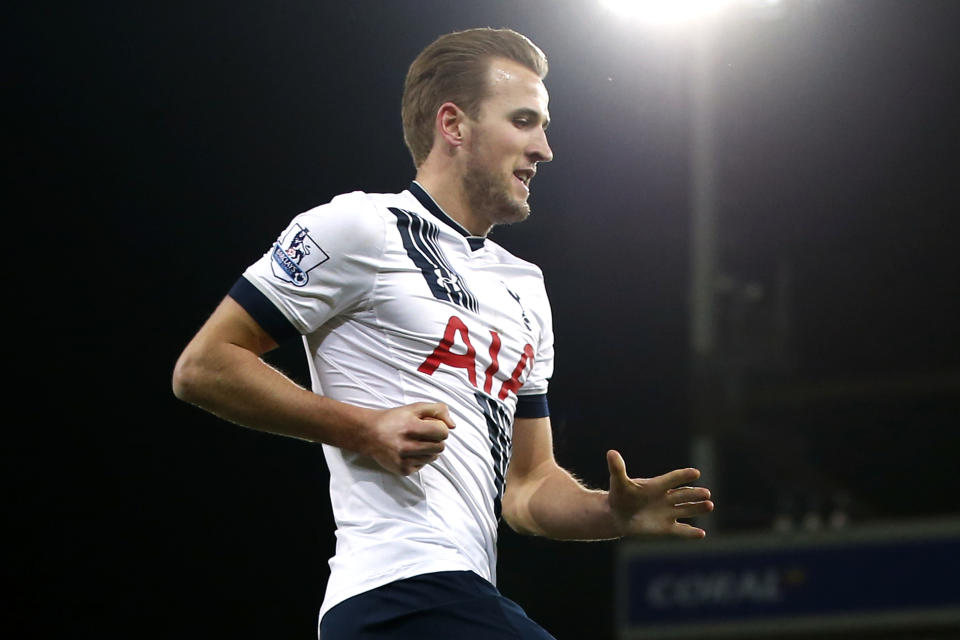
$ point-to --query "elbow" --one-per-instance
(186, 379)
(509, 512)
(526, 506)
(517, 525)
(516, 515)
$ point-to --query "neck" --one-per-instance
(446, 189)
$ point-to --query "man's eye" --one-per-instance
(521, 122)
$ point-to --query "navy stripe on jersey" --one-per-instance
(498, 421)
(263, 311)
(532, 406)
(420, 239)
(475, 242)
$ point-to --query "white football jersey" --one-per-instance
(397, 304)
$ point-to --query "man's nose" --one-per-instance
(540, 150)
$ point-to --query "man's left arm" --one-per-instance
(542, 498)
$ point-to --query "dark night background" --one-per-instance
(157, 149)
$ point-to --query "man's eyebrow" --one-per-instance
(532, 113)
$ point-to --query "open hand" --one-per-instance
(652, 506)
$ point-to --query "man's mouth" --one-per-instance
(524, 176)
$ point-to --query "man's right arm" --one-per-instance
(222, 372)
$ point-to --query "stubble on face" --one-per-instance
(489, 195)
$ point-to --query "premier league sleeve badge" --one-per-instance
(295, 255)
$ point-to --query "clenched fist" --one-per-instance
(405, 439)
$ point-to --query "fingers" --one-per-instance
(421, 460)
(429, 430)
(421, 449)
(692, 509)
(686, 502)
(666, 482)
(415, 463)
(675, 478)
(437, 410)
(688, 494)
(684, 530)
(424, 439)
(616, 465)
(404, 439)
(689, 502)
(422, 454)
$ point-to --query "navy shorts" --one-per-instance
(450, 604)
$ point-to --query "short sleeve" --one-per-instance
(539, 378)
(323, 264)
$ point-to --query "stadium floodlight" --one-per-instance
(666, 12)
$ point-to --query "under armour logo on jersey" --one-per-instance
(448, 280)
(421, 240)
(295, 254)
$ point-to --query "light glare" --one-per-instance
(665, 12)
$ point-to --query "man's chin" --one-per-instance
(516, 212)
(495, 199)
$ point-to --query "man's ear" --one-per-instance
(451, 124)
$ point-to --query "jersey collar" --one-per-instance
(475, 242)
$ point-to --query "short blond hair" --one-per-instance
(453, 68)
